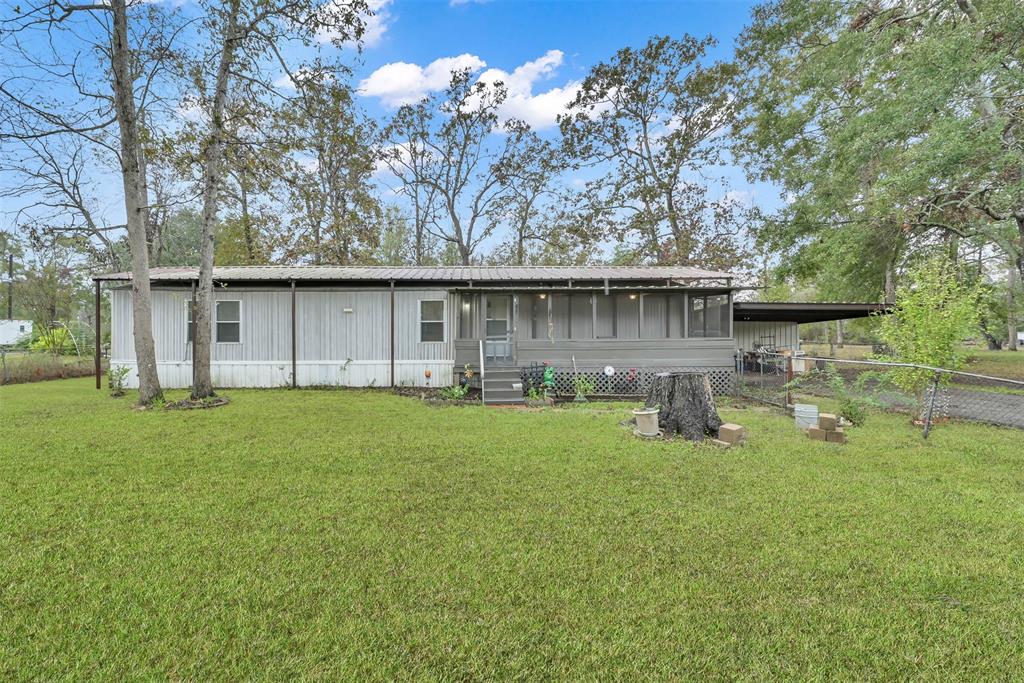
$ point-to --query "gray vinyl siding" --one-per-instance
(751, 335)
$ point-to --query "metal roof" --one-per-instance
(803, 311)
(431, 274)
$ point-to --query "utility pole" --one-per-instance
(10, 286)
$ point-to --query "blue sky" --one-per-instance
(569, 35)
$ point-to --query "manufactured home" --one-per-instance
(279, 326)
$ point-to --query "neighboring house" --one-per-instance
(391, 326)
(12, 331)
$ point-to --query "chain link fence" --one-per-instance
(784, 379)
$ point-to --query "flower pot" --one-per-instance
(646, 421)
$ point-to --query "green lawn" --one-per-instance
(358, 535)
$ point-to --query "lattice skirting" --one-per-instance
(627, 381)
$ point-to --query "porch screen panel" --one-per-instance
(718, 316)
(605, 323)
(582, 315)
(538, 316)
(469, 314)
(676, 311)
(560, 316)
(627, 319)
(709, 315)
(655, 319)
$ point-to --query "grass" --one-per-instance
(364, 536)
(1006, 364)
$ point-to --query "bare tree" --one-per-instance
(443, 149)
(112, 90)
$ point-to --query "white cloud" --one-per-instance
(537, 110)
(375, 23)
(401, 83)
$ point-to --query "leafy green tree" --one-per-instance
(888, 125)
(933, 314)
(653, 117)
(336, 214)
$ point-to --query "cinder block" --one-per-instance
(828, 422)
(721, 444)
(817, 434)
(731, 433)
(838, 436)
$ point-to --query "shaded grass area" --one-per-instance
(361, 535)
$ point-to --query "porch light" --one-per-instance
(543, 296)
(632, 297)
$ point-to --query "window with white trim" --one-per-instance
(228, 323)
(431, 320)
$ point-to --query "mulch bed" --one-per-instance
(194, 404)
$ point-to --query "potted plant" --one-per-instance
(647, 421)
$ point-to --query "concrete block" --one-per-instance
(817, 434)
(731, 433)
(837, 436)
(828, 422)
(720, 443)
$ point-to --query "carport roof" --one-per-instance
(803, 311)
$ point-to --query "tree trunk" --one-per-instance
(212, 162)
(686, 405)
(1011, 313)
(135, 209)
(840, 334)
(890, 282)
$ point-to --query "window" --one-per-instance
(229, 322)
(431, 320)
(709, 315)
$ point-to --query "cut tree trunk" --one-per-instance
(685, 405)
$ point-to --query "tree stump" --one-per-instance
(685, 405)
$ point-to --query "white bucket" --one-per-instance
(646, 421)
(806, 415)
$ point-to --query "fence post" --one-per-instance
(789, 380)
(931, 404)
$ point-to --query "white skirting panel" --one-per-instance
(268, 374)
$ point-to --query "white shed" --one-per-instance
(11, 331)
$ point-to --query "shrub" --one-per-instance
(456, 393)
(929, 322)
(56, 340)
(116, 377)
